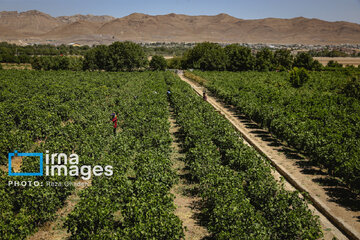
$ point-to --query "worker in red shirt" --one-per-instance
(114, 120)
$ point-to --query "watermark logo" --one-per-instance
(15, 153)
(60, 164)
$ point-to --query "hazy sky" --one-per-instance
(330, 10)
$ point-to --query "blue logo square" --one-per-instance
(40, 155)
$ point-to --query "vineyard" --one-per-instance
(69, 112)
(320, 119)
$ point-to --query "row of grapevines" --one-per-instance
(242, 198)
(315, 119)
(135, 202)
(68, 112)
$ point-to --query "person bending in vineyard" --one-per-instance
(114, 120)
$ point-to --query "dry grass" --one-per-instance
(194, 77)
(343, 60)
(16, 66)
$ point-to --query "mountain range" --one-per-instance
(38, 27)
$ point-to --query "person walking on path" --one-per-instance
(204, 96)
(114, 120)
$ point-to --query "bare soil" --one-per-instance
(186, 202)
(324, 191)
(16, 163)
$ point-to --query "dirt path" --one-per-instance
(54, 230)
(185, 200)
(335, 205)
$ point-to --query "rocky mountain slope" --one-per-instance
(37, 27)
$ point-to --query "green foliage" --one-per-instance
(304, 60)
(315, 119)
(298, 77)
(70, 111)
(242, 200)
(283, 59)
(119, 56)
(12, 53)
(96, 58)
(36, 63)
(334, 64)
(240, 58)
(264, 60)
(57, 63)
(1, 67)
(352, 88)
(75, 64)
(174, 63)
(206, 56)
(327, 53)
(125, 56)
(158, 63)
(140, 207)
(317, 66)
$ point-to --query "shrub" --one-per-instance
(333, 63)
(352, 88)
(174, 63)
(298, 76)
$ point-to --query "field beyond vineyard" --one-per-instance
(355, 61)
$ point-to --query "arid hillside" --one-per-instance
(37, 27)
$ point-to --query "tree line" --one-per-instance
(332, 53)
(119, 56)
(12, 53)
(211, 56)
(129, 56)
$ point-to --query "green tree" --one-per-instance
(240, 58)
(174, 63)
(24, 58)
(75, 63)
(264, 60)
(283, 59)
(158, 63)
(206, 56)
(36, 63)
(62, 63)
(303, 60)
(317, 66)
(46, 63)
(90, 60)
(125, 56)
(101, 56)
(96, 58)
(334, 64)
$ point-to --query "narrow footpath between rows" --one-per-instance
(55, 230)
(186, 201)
(338, 208)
